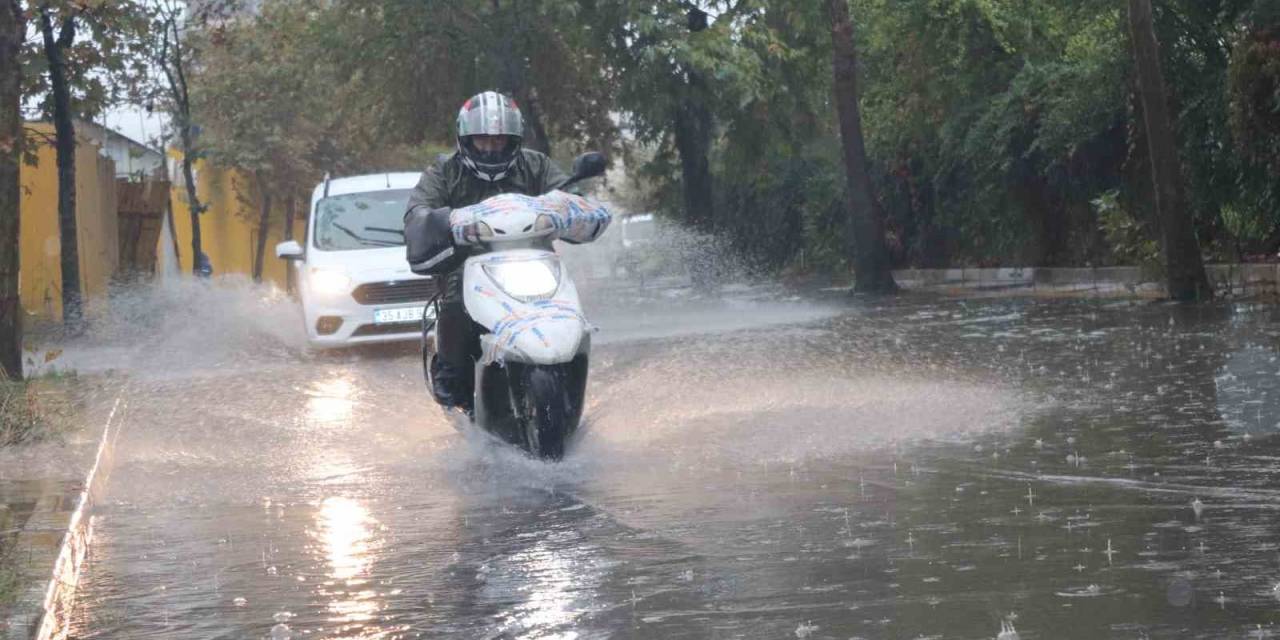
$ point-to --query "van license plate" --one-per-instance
(404, 314)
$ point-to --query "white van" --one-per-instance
(353, 280)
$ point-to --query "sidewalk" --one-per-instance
(47, 490)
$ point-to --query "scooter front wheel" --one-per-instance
(544, 413)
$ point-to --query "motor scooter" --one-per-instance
(531, 376)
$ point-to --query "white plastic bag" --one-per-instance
(577, 219)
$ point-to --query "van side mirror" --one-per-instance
(289, 250)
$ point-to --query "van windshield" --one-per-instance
(361, 220)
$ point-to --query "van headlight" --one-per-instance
(330, 281)
(526, 280)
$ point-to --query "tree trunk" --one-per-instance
(537, 138)
(511, 40)
(260, 251)
(173, 236)
(12, 32)
(193, 201)
(1183, 265)
(1046, 219)
(289, 205)
(871, 255)
(693, 131)
(65, 144)
(175, 72)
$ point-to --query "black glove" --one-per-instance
(428, 241)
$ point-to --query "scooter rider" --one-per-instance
(489, 161)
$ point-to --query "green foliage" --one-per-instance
(1255, 94)
(824, 219)
(999, 131)
(1130, 241)
(261, 100)
(1248, 226)
(104, 61)
(400, 72)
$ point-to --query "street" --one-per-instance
(751, 467)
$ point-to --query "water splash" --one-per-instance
(1007, 632)
(186, 325)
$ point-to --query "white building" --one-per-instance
(134, 160)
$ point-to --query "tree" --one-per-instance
(83, 76)
(12, 34)
(1255, 91)
(171, 51)
(1254, 88)
(55, 51)
(264, 225)
(871, 256)
(266, 109)
(1186, 279)
(988, 127)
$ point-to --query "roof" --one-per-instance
(366, 183)
(112, 133)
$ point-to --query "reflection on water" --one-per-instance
(330, 400)
(548, 581)
(1248, 388)
(543, 585)
(343, 530)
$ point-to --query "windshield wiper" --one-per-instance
(363, 240)
(399, 232)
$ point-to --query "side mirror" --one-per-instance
(588, 165)
(289, 250)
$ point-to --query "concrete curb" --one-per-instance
(43, 610)
(1228, 280)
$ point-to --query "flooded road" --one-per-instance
(750, 468)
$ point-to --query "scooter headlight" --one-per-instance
(330, 281)
(526, 280)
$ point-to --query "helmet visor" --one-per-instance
(491, 150)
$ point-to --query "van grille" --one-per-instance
(395, 291)
(386, 329)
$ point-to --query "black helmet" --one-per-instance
(490, 114)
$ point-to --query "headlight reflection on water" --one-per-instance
(330, 400)
(346, 533)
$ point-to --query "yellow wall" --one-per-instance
(229, 227)
(96, 225)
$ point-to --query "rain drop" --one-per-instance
(281, 632)
(240, 602)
